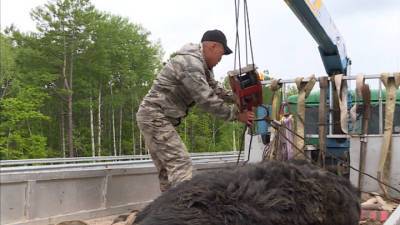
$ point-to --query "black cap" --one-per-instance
(217, 36)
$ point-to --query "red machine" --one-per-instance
(246, 86)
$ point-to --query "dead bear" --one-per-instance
(268, 193)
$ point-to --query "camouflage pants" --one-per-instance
(167, 150)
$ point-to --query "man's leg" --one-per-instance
(162, 171)
(175, 157)
(167, 151)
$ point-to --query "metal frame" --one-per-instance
(367, 77)
(352, 77)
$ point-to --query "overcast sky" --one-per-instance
(370, 28)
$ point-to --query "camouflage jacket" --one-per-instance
(184, 81)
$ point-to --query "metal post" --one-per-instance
(330, 107)
(284, 92)
(380, 108)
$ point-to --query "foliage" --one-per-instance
(7, 65)
(291, 90)
(19, 117)
(99, 64)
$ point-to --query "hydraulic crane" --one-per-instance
(316, 19)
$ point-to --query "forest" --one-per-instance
(72, 87)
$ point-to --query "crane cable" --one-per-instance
(237, 57)
(247, 35)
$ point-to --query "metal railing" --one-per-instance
(53, 161)
(377, 77)
(106, 162)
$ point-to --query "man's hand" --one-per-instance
(246, 117)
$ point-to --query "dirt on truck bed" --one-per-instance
(102, 221)
(369, 222)
(375, 209)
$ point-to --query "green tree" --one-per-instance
(116, 69)
(7, 68)
(19, 117)
(63, 26)
(22, 97)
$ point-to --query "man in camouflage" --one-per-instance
(186, 79)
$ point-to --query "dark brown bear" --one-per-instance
(268, 193)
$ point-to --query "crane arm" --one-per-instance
(316, 19)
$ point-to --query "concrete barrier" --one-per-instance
(52, 194)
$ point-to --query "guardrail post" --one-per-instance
(107, 180)
(30, 191)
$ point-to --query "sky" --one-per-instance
(281, 45)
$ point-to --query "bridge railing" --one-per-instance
(97, 159)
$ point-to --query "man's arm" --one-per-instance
(226, 95)
(208, 101)
(195, 82)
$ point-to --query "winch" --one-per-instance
(246, 86)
